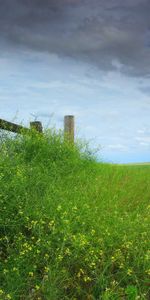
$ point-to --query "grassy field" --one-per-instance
(71, 228)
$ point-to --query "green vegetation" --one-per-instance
(71, 228)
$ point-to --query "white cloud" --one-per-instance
(117, 147)
(145, 139)
(145, 144)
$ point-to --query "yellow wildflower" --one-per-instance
(113, 258)
(51, 223)
(46, 269)
(67, 251)
(60, 257)
(148, 272)
(81, 272)
(93, 264)
(86, 279)
(129, 272)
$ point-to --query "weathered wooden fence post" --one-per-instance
(37, 126)
(69, 128)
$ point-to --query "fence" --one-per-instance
(69, 127)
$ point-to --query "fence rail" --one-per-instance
(68, 127)
(12, 127)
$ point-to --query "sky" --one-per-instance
(87, 58)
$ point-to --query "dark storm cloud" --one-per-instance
(109, 34)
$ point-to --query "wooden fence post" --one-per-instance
(37, 126)
(69, 128)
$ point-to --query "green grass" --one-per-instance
(71, 228)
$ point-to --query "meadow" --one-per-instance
(71, 227)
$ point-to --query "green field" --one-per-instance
(71, 228)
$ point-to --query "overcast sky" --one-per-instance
(89, 58)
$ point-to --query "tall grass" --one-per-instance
(71, 228)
